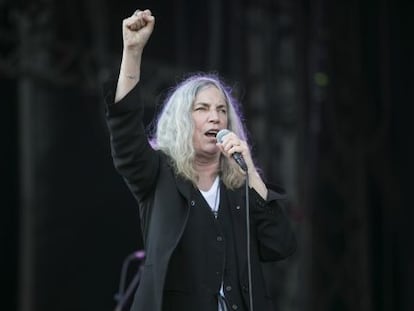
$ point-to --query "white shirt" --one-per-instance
(212, 196)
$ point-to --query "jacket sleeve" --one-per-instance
(273, 228)
(133, 157)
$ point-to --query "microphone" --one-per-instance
(236, 155)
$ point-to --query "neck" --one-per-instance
(207, 172)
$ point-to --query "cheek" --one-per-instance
(225, 121)
(196, 121)
(196, 133)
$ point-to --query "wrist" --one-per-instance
(132, 51)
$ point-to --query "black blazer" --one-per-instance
(164, 203)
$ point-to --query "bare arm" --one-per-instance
(136, 30)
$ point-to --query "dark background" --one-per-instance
(327, 91)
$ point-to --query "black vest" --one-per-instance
(204, 260)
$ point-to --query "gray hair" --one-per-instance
(174, 128)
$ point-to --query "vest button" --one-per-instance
(228, 288)
(238, 207)
(234, 307)
(219, 238)
(192, 202)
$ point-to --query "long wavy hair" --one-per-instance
(174, 127)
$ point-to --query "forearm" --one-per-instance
(136, 31)
(129, 73)
(256, 182)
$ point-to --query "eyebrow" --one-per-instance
(208, 105)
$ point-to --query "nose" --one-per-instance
(214, 116)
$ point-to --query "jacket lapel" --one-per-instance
(184, 187)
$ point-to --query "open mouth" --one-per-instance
(211, 133)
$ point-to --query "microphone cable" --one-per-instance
(249, 265)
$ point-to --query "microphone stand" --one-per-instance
(122, 296)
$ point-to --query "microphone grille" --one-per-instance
(220, 135)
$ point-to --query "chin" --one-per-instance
(210, 152)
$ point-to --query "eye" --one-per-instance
(222, 110)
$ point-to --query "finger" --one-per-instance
(142, 14)
(141, 19)
(135, 23)
(132, 25)
(148, 18)
(137, 18)
(231, 143)
(235, 148)
(136, 13)
(147, 12)
(231, 148)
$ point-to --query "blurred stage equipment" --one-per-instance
(123, 295)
